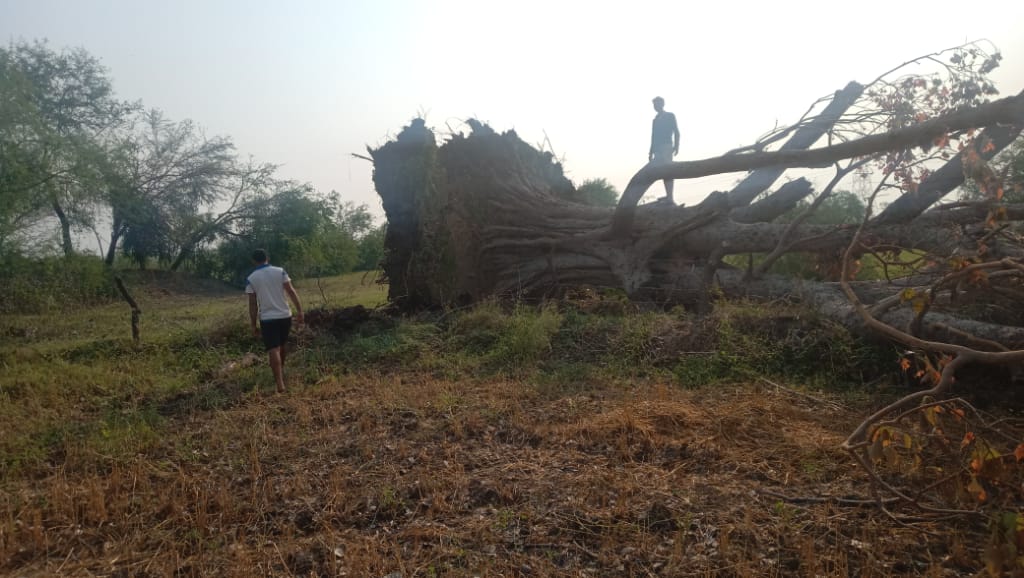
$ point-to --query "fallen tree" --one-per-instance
(486, 214)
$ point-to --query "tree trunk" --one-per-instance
(136, 312)
(487, 215)
(66, 242)
(116, 230)
(188, 248)
(180, 259)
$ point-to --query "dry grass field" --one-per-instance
(532, 441)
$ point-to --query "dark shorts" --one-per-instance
(275, 332)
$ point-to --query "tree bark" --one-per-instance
(66, 242)
(116, 230)
(758, 181)
(186, 250)
(136, 312)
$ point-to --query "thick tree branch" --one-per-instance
(758, 181)
(1009, 110)
(950, 176)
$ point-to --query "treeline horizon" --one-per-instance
(82, 169)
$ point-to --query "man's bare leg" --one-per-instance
(284, 357)
(277, 367)
(669, 186)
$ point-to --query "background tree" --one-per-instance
(307, 233)
(162, 173)
(246, 188)
(597, 192)
(74, 108)
(371, 249)
(838, 208)
(22, 137)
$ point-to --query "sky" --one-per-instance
(304, 83)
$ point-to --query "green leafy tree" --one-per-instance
(840, 208)
(73, 108)
(22, 136)
(371, 249)
(307, 233)
(158, 177)
(146, 234)
(598, 192)
(246, 188)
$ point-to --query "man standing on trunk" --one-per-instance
(267, 286)
(664, 140)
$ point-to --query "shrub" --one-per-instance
(527, 336)
(53, 283)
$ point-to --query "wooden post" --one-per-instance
(136, 312)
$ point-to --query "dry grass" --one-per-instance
(499, 446)
(371, 474)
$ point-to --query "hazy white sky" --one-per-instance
(305, 83)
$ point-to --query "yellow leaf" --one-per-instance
(919, 304)
(880, 433)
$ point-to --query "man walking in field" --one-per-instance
(664, 141)
(266, 287)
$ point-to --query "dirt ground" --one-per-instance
(406, 475)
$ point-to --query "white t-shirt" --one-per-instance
(267, 282)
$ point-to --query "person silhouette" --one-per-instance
(267, 287)
(664, 141)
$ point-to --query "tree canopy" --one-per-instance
(74, 159)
